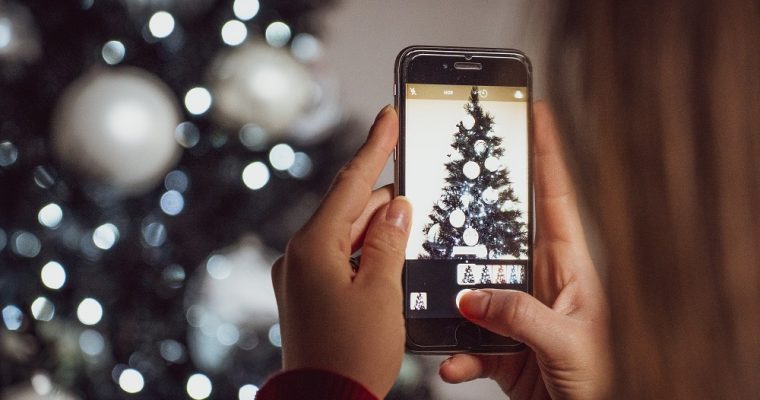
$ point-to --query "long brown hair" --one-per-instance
(659, 102)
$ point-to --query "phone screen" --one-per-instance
(466, 173)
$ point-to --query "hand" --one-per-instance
(331, 318)
(565, 325)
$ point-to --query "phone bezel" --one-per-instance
(424, 64)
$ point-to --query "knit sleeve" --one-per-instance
(312, 384)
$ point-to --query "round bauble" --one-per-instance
(258, 84)
(479, 147)
(433, 232)
(456, 218)
(468, 122)
(490, 196)
(470, 236)
(229, 299)
(117, 126)
(471, 169)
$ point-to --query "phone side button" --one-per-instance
(395, 153)
(395, 90)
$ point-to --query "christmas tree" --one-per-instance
(485, 276)
(468, 277)
(419, 302)
(500, 277)
(476, 209)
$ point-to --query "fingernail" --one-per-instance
(383, 111)
(475, 303)
(399, 212)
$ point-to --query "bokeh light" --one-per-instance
(50, 215)
(8, 154)
(53, 275)
(197, 100)
(154, 234)
(42, 309)
(113, 52)
(161, 24)
(187, 134)
(105, 236)
(245, 9)
(198, 386)
(131, 381)
(277, 34)
(171, 350)
(41, 384)
(306, 47)
(248, 392)
(12, 317)
(89, 311)
(301, 167)
(234, 32)
(176, 180)
(255, 175)
(282, 157)
(172, 202)
(25, 244)
(275, 338)
(91, 342)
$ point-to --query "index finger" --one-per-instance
(352, 188)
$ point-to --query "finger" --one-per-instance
(352, 187)
(518, 315)
(556, 204)
(380, 197)
(385, 243)
(463, 368)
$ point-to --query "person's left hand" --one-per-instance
(330, 317)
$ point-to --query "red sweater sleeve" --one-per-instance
(312, 384)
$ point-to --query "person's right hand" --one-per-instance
(565, 325)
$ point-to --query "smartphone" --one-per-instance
(464, 162)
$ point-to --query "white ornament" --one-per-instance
(470, 236)
(256, 83)
(493, 164)
(490, 196)
(471, 169)
(456, 218)
(442, 205)
(433, 233)
(479, 146)
(481, 251)
(467, 199)
(117, 125)
(468, 121)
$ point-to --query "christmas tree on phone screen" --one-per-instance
(477, 208)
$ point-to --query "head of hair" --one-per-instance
(659, 107)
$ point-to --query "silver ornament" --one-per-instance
(457, 218)
(258, 84)
(117, 126)
(470, 236)
(471, 169)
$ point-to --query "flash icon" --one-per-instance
(413, 91)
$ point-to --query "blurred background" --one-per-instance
(156, 155)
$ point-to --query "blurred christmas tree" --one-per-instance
(144, 146)
(475, 214)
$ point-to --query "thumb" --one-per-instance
(516, 314)
(385, 242)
